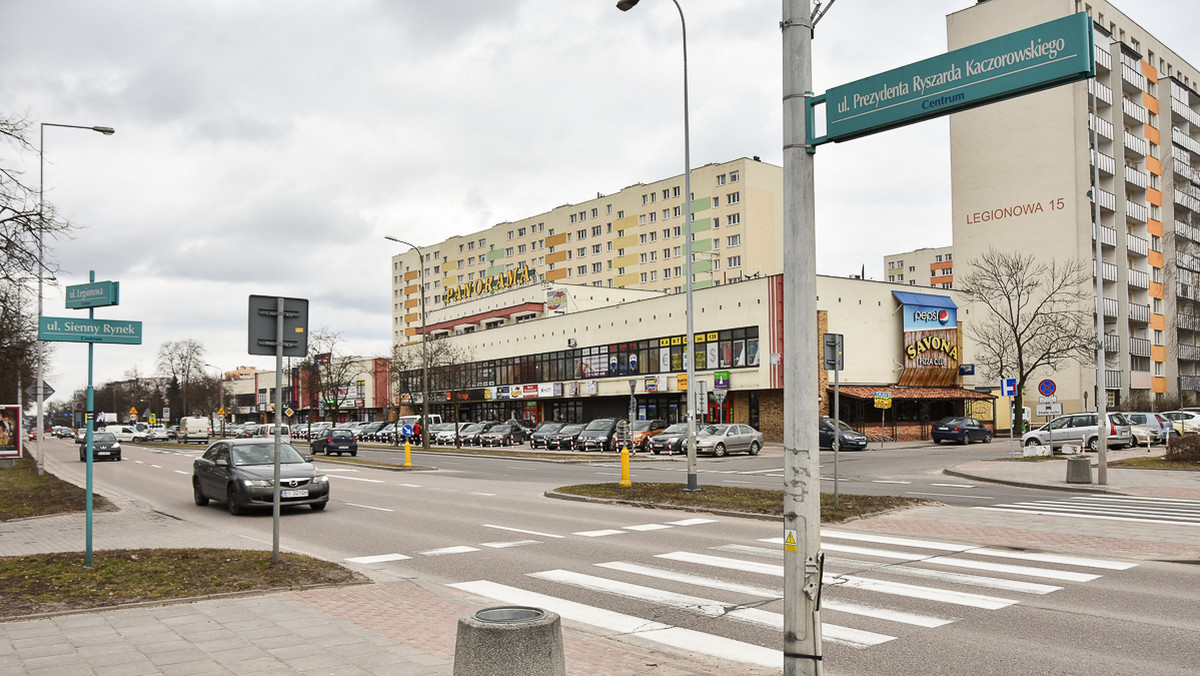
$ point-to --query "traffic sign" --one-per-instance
(95, 294)
(1046, 387)
(289, 412)
(31, 391)
(71, 330)
(1008, 387)
(1048, 410)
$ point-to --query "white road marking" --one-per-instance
(338, 469)
(885, 481)
(889, 540)
(461, 549)
(486, 495)
(410, 485)
(754, 551)
(954, 485)
(1056, 558)
(357, 478)
(966, 579)
(648, 526)
(1051, 512)
(698, 580)
(156, 466)
(691, 522)
(513, 543)
(378, 509)
(762, 471)
(139, 462)
(179, 471)
(380, 558)
(619, 623)
(951, 495)
(599, 533)
(527, 532)
(735, 481)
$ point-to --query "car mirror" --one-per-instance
(308, 459)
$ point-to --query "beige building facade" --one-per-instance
(925, 267)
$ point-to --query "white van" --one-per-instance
(268, 431)
(194, 429)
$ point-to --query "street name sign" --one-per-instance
(96, 294)
(71, 330)
(1043, 56)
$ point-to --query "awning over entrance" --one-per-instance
(925, 299)
(899, 392)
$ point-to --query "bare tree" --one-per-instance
(448, 370)
(18, 340)
(330, 373)
(1038, 316)
(21, 220)
(182, 361)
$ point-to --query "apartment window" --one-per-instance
(510, 234)
(653, 256)
(939, 258)
(891, 278)
(641, 219)
(582, 234)
(644, 277)
(667, 253)
(677, 271)
(1158, 337)
(716, 243)
(521, 248)
(675, 191)
(608, 209)
(733, 176)
(653, 197)
(583, 215)
(581, 251)
(716, 222)
(667, 273)
(949, 257)
(508, 251)
(734, 240)
(676, 253)
(582, 269)
(733, 219)
(720, 179)
(716, 201)
(460, 279)
(645, 199)
(912, 268)
(653, 216)
(666, 214)
(653, 236)
(597, 248)
(573, 217)
(666, 193)
(621, 214)
(642, 258)
(470, 276)
(460, 248)
(597, 230)
(471, 260)
(520, 232)
(642, 238)
(1156, 274)
(677, 230)
(595, 212)
(676, 211)
(666, 233)
(1156, 243)
(733, 198)
(654, 275)
(1158, 306)
(597, 267)
(471, 246)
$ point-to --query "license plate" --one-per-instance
(103, 452)
(298, 493)
(343, 446)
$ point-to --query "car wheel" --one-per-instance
(318, 506)
(754, 448)
(81, 456)
(987, 437)
(719, 450)
(657, 451)
(1032, 441)
(197, 494)
(353, 454)
(1093, 444)
(936, 440)
(965, 440)
(231, 501)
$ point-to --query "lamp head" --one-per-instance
(107, 131)
(626, 5)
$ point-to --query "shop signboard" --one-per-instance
(10, 431)
(651, 384)
(720, 380)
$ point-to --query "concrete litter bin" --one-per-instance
(1079, 470)
(509, 640)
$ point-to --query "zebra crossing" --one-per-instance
(1178, 511)
(877, 589)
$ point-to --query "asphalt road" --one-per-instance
(482, 527)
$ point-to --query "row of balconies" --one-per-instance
(1189, 352)
(1101, 91)
(1134, 112)
(1187, 261)
(1187, 231)
(1179, 138)
(1139, 347)
(1189, 382)
(1137, 245)
(1180, 93)
(1112, 379)
(1102, 126)
(1182, 111)
(1185, 171)
(1103, 57)
(1187, 291)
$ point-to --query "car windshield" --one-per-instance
(714, 430)
(601, 424)
(841, 425)
(103, 436)
(471, 429)
(263, 454)
(500, 429)
(677, 428)
(951, 421)
(571, 429)
(641, 425)
(549, 427)
(341, 433)
(1118, 419)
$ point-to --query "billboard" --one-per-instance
(10, 431)
(931, 341)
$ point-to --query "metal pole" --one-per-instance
(424, 346)
(801, 471)
(1101, 392)
(88, 445)
(837, 434)
(278, 428)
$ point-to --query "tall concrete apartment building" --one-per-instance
(1021, 174)
(632, 239)
(925, 267)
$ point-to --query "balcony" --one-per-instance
(1136, 211)
(1187, 322)
(1110, 272)
(1138, 279)
(1179, 138)
(1136, 177)
(1185, 171)
(1189, 352)
(1187, 291)
(1187, 201)
(1135, 144)
(1103, 57)
(1189, 382)
(1139, 313)
(1184, 230)
(1112, 343)
(1137, 245)
(1185, 113)
(1107, 199)
(1103, 127)
(1108, 236)
(1110, 308)
(1112, 380)
(1108, 165)
(1139, 347)
(1132, 79)
(1102, 91)
(1134, 113)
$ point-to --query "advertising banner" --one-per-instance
(931, 340)
(10, 431)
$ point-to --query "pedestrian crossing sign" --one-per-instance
(789, 540)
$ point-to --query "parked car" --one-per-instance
(527, 425)
(642, 431)
(564, 439)
(159, 432)
(240, 472)
(721, 440)
(104, 446)
(367, 432)
(81, 435)
(1079, 428)
(126, 433)
(671, 440)
(602, 434)
(540, 436)
(849, 439)
(962, 429)
(503, 434)
(470, 434)
(1156, 422)
(1185, 422)
(336, 440)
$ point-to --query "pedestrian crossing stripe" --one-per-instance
(789, 540)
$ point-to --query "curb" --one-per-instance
(653, 505)
(950, 471)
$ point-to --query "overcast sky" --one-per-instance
(267, 147)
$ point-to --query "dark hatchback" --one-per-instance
(564, 439)
(334, 441)
(848, 438)
(961, 429)
(541, 435)
(671, 440)
(240, 472)
(602, 434)
(104, 447)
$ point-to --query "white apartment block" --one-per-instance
(932, 267)
(1022, 173)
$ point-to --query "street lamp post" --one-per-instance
(424, 345)
(41, 384)
(689, 345)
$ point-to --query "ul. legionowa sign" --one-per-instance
(932, 340)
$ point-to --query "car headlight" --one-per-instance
(256, 483)
(322, 479)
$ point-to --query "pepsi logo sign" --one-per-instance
(940, 316)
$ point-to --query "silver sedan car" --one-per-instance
(721, 440)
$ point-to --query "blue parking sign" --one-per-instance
(1008, 387)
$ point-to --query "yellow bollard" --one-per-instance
(407, 454)
(625, 466)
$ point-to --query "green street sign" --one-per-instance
(71, 330)
(96, 294)
(1025, 61)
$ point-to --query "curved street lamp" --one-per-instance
(424, 346)
(689, 354)
(41, 384)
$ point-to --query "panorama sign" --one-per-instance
(486, 285)
(1025, 61)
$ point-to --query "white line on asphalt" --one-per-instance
(179, 471)
(691, 522)
(380, 558)
(1056, 558)
(1137, 499)
(753, 551)
(410, 485)
(139, 462)
(512, 543)
(527, 532)
(378, 509)
(885, 481)
(889, 540)
(599, 533)
(762, 471)
(954, 485)
(156, 466)
(1050, 512)
(1106, 507)
(648, 526)
(951, 495)
(856, 638)
(357, 478)
(1049, 574)
(688, 578)
(461, 549)
(486, 495)
(735, 481)
(966, 579)
(619, 623)
(327, 470)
